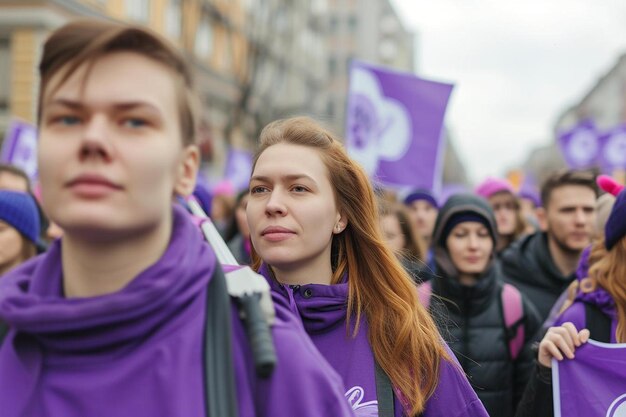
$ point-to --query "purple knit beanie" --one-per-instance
(491, 186)
(615, 228)
(421, 194)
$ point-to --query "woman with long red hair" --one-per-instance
(316, 237)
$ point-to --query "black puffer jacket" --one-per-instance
(471, 320)
(528, 265)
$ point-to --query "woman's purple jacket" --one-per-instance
(138, 352)
(322, 309)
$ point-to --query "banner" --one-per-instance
(394, 125)
(238, 168)
(613, 150)
(20, 147)
(580, 145)
(593, 383)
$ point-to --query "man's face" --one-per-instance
(570, 216)
(110, 152)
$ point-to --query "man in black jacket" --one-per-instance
(542, 265)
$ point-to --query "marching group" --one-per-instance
(384, 306)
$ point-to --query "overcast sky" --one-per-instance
(516, 66)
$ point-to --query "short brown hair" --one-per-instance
(84, 41)
(567, 177)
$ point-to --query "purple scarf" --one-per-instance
(598, 297)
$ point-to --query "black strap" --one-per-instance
(598, 323)
(384, 393)
(219, 375)
(4, 329)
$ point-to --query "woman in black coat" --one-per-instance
(470, 306)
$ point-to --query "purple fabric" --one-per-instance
(238, 168)
(580, 145)
(322, 309)
(19, 148)
(615, 228)
(394, 125)
(598, 297)
(576, 313)
(138, 352)
(417, 195)
(591, 384)
(613, 149)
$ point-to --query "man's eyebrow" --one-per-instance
(121, 106)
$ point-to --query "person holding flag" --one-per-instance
(595, 309)
(315, 233)
(117, 318)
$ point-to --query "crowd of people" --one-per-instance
(384, 304)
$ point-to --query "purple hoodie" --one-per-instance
(322, 309)
(138, 352)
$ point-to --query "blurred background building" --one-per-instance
(604, 103)
(255, 60)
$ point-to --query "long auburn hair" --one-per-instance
(403, 337)
(607, 269)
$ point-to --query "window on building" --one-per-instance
(138, 9)
(174, 18)
(204, 39)
(332, 66)
(333, 24)
(353, 23)
(330, 108)
(5, 73)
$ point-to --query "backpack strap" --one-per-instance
(384, 393)
(4, 329)
(598, 323)
(513, 313)
(219, 375)
(424, 293)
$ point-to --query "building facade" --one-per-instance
(604, 103)
(368, 30)
(252, 58)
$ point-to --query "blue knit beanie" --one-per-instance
(19, 211)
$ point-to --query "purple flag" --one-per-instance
(394, 125)
(592, 384)
(238, 168)
(580, 145)
(613, 150)
(20, 147)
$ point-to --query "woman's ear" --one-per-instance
(187, 171)
(341, 223)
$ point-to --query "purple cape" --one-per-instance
(322, 309)
(138, 352)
